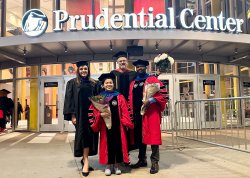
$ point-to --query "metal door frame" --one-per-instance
(216, 78)
(50, 127)
(186, 122)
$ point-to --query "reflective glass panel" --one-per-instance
(26, 72)
(23, 104)
(70, 69)
(51, 103)
(14, 14)
(206, 68)
(244, 71)
(52, 69)
(6, 74)
(47, 7)
(185, 67)
(228, 70)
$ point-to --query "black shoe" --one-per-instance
(140, 163)
(85, 174)
(90, 168)
(127, 164)
(154, 168)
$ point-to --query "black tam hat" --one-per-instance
(105, 76)
(141, 62)
(121, 54)
(82, 63)
(5, 91)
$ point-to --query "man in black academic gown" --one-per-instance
(124, 76)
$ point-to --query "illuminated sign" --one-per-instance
(34, 23)
(142, 20)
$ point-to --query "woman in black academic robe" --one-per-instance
(76, 105)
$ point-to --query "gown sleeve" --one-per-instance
(94, 117)
(160, 96)
(124, 113)
(69, 104)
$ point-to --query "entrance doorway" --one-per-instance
(193, 87)
(245, 90)
(186, 89)
(51, 107)
(210, 110)
(22, 120)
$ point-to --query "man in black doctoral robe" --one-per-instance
(124, 76)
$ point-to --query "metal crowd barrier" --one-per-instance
(167, 118)
(221, 121)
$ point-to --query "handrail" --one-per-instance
(214, 99)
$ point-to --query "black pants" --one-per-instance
(142, 151)
(3, 123)
(155, 155)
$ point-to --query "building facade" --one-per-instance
(209, 40)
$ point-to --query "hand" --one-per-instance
(146, 103)
(73, 119)
(106, 114)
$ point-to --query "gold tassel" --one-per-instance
(116, 82)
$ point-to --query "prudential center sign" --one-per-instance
(32, 23)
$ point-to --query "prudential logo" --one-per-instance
(34, 23)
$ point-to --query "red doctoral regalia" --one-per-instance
(151, 120)
(98, 125)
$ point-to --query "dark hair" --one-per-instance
(78, 77)
(108, 78)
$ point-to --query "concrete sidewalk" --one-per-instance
(49, 155)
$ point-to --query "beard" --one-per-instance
(123, 66)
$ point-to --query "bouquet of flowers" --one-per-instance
(101, 103)
(150, 90)
(163, 61)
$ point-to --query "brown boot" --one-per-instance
(154, 168)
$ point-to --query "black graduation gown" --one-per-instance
(114, 135)
(6, 106)
(137, 100)
(77, 102)
(123, 81)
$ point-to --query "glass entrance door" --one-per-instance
(210, 110)
(167, 80)
(186, 89)
(51, 110)
(245, 91)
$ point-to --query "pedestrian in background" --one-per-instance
(19, 110)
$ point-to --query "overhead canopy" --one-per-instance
(102, 45)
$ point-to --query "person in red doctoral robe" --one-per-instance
(113, 148)
(147, 129)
